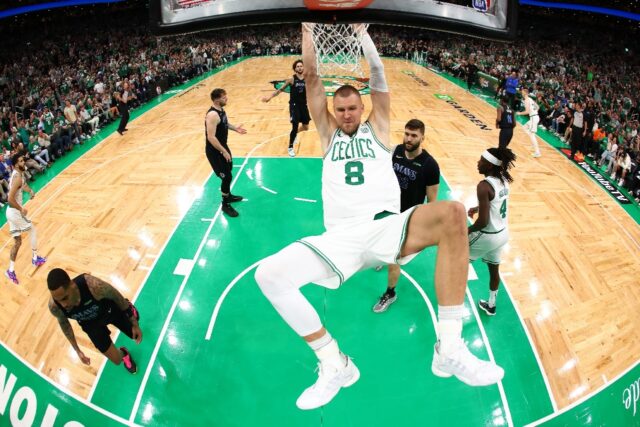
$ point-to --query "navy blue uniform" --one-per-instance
(221, 167)
(414, 176)
(507, 123)
(298, 110)
(94, 316)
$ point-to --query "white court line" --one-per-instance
(591, 195)
(432, 312)
(184, 267)
(534, 350)
(472, 275)
(163, 332)
(156, 256)
(268, 189)
(112, 159)
(88, 172)
(93, 169)
(584, 398)
(305, 200)
(216, 309)
(484, 337)
(235, 280)
(515, 306)
(69, 392)
(135, 297)
(503, 396)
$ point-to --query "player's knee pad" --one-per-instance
(272, 278)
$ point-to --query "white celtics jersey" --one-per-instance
(19, 192)
(358, 181)
(533, 106)
(498, 212)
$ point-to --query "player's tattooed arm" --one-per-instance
(101, 290)
(64, 324)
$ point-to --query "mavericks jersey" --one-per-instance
(222, 129)
(498, 206)
(414, 176)
(358, 181)
(88, 309)
(507, 120)
(298, 92)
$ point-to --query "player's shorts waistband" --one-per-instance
(492, 232)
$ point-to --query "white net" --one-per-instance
(339, 48)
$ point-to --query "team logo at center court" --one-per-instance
(332, 83)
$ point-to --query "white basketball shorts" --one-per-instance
(350, 248)
(18, 223)
(487, 246)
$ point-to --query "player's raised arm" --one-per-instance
(316, 96)
(288, 82)
(380, 99)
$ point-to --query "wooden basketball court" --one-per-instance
(571, 268)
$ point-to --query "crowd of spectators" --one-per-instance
(57, 89)
(588, 72)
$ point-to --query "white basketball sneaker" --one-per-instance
(292, 153)
(465, 366)
(330, 381)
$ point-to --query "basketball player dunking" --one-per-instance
(364, 228)
(298, 111)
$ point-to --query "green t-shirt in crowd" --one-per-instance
(23, 133)
(33, 146)
(47, 120)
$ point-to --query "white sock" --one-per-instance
(12, 265)
(450, 327)
(35, 253)
(492, 298)
(329, 354)
(320, 342)
(33, 237)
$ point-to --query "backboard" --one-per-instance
(481, 18)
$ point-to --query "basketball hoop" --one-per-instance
(338, 48)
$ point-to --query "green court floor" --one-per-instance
(251, 370)
(253, 367)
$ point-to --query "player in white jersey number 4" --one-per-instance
(364, 228)
(490, 233)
